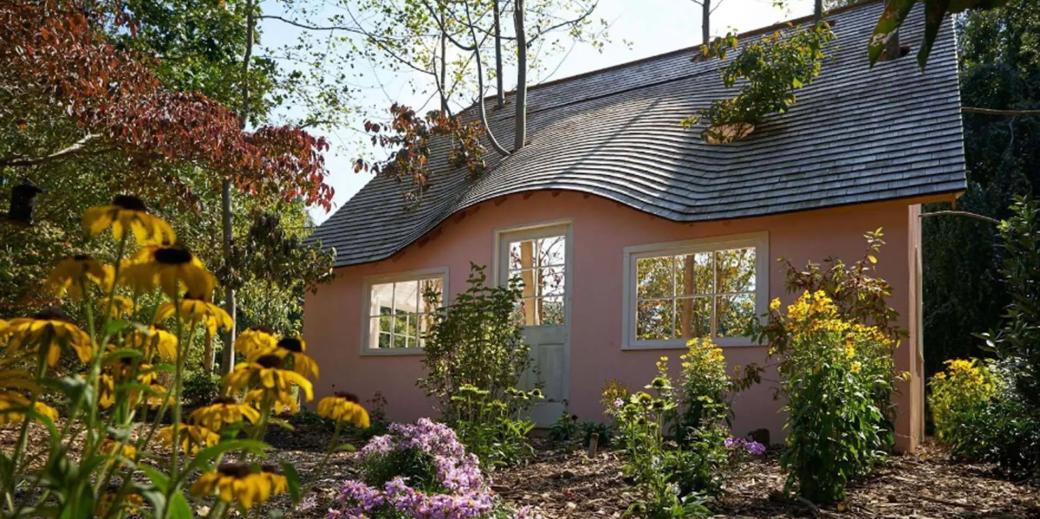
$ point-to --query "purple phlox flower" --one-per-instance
(618, 403)
(754, 448)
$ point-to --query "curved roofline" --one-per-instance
(949, 195)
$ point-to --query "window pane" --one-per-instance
(427, 287)
(405, 330)
(406, 297)
(694, 317)
(525, 311)
(655, 320)
(654, 277)
(552, 251)
(551, 281)
(521, 255)
(386, 325)
(551, 310)
(735, 314)
(693, 274)
(736, 270)
(382, 299)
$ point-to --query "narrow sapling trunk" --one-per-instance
(500, 96)
(705, 22)
(521, 76)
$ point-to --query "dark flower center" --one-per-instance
(291, 344)
(264, 329)
(131, 203)
(81, 257)
(270, 361)
(270, 469)
(235, 470)
(225, 400)
(52, 314)
(350, 397)
(172, 256)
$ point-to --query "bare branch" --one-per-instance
(992, 111)
(480, 87)
(962, 213)
(72, 149)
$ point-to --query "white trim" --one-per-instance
(558, 227)
(759, 240)
(366, 302)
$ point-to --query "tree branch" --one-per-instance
(480, 87)
(992, 111)
(72, 149)
(968, 214)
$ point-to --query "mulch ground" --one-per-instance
(572, 484)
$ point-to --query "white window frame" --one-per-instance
(759, 240)
(366, 305)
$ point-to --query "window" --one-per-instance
(540, 264)
(399, 310)
(695, 289)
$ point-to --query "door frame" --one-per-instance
(534, 230)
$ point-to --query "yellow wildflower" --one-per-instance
(47, 332)
(128, 212)
(193, 438)
(255, 340)
(71, 275)
(266, 373)
(173, 269)
(194, 310)
(224, 411)
(242, 483)
(344, 408)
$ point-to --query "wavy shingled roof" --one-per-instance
(855, 135)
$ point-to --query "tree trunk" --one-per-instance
(444, 65)
(705, 22)
(521, 76)
(227, 356)
(818, 11)
(500, 96)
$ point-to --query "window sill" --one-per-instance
(734, 342)
(392, 352)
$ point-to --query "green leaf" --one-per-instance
(115, 326)
(179, 508)
(157, 477)
(293, 478)
(205, 456)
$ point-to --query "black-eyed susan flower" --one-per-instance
(119, 373)
(118, 449)
(344, 408)
(224, 411)
(121, 307)
(129, 504)
(255, 341)
(153, 339)
(198, 311)
(241, 483)
(128, 213)
(71, 275)
(13, 406)
(47, 332)
(280, 403)
(173, 269)
(293, 348)
(192, 438)
(267, 373)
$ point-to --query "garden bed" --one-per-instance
(574, 485)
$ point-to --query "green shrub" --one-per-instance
(676, 473)
(960, 397)
(494, 430)
(831, 372)
(602, 430)
(200, 388)
(564, 430)
(475, 356)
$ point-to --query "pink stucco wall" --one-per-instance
(601, 229)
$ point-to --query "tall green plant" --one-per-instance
(475, 341)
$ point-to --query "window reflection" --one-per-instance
(399, 313)
(539, 267)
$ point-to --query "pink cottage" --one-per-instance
(632, 234)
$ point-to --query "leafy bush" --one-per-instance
(960, 397)
(564, 429)
(831, 372)
(419, 470)
(200, 388)
(675, 475)
(567, 431)
(603, 431)
(475, 356)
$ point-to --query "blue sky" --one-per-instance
(638, 28)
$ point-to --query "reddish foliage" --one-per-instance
(52, 54)
(410, 137)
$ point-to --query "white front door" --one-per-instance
(540, 258)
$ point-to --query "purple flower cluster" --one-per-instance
(750, 446)
(468, 496)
